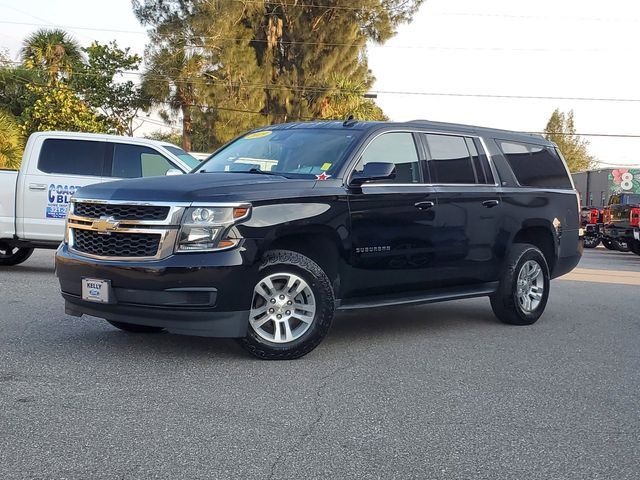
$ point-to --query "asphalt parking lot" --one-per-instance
(438, 391)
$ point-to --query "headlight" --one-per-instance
(206, 228)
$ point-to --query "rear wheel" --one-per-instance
(591, 241)
(292, 307)
(621, 246)
(130, 327)
(524, 287)
(13, 255)
(634, 246)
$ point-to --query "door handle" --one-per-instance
(424, 205)
(491, 203)
(37, 186)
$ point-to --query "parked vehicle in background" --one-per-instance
(591, 221)
(620, 217)
(635, 243)
(33, 201)
(289, 223)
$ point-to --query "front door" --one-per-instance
(392, 222)
(63, 166)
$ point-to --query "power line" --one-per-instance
(329, 89)
(327, 44)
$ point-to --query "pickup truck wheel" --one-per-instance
(634, 246)
(620, 246)
(292, 307)
(524, 287)
(591, 241)
(13, 255)
(130, 327)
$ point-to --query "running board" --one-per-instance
(432, 296)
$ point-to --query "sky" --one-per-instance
(574, 49)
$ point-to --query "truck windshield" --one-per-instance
(303, 153)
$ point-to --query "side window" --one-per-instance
(535, 165)
(72, 157)
(450, 160)
(480, 162)
(133, 161)
(398, 148)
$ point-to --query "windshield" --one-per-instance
(305, 153)
(191, 161)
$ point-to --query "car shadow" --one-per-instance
(411, 320)
(350, 329)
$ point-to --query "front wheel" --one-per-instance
(608, 244)
(591, 241)
(524, 287)
(634, 246)
(13, 255)
(292, 307)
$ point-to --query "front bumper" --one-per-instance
(202, 294)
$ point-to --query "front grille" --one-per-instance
(120, 212)
(116, 244)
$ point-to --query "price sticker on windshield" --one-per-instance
(252, 136)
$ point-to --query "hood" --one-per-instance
(198, 187)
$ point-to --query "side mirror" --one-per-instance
(173, 171)
(374, 171)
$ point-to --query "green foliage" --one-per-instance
(561, 130)
(117, 101)
(175, 138)
(14, 95)
(347, 98)
(53, 52)
(11, 141)
(57, 107)
(230, 66)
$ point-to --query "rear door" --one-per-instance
(469, 208)
(63, 166)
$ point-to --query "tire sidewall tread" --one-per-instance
(504, 302)
(283, 261)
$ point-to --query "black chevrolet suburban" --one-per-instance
(286, 225)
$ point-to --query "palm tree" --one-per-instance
(170, 79)
(11, 143)
(53, 51)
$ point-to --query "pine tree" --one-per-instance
(561, 130)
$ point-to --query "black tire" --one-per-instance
(621, 246)
(634, 246)
(13, 255)
(608, 244)
(132, 328)
(591, 241)
(504, 302)
(288, 262)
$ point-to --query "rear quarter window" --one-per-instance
(535, 165)
(72, 157)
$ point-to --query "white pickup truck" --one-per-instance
(33, 201)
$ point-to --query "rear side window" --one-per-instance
(450, 160)
(535, 165)
(72, 157)
(133, 161)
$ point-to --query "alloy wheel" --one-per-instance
(530, 286)
(283, 308)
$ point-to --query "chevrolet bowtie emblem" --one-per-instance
(105, 225)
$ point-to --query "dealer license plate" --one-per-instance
(95, 290)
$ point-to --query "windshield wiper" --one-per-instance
(252, 170)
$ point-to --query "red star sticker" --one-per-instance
(322, 176)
